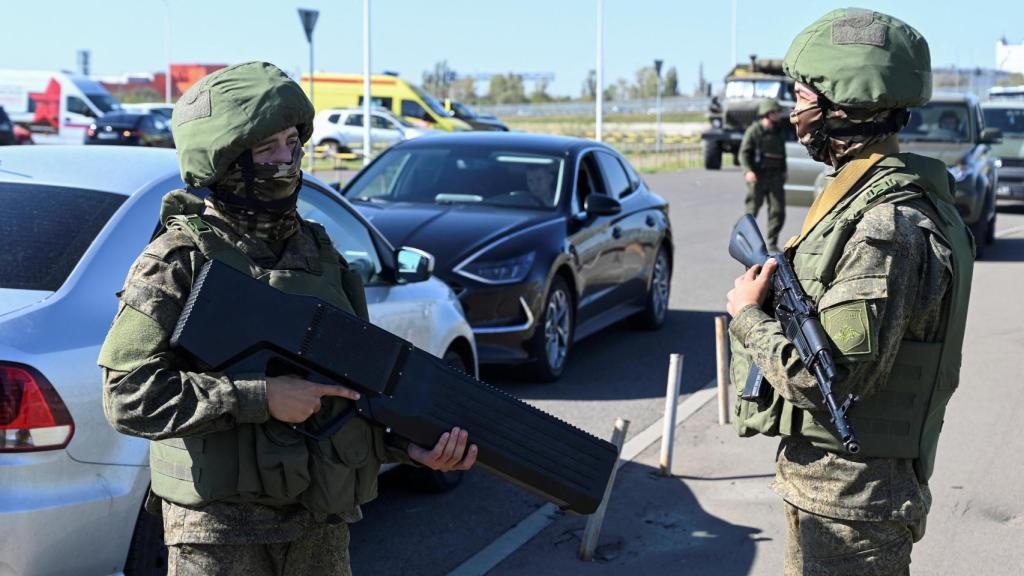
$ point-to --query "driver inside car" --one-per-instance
(540, 181)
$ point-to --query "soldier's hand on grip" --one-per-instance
(751, 287)
(450, 452)
(293, 400)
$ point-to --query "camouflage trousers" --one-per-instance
(769, 186)
(821, 546)
(323, 552)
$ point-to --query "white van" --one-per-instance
(56, 107)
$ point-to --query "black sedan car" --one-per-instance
(544, 239)
(131, 129)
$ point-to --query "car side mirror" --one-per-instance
(601, 205)
(991, 136)
(414, 265)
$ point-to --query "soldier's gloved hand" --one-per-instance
(751, 288)
(449, 453)
(292, 399)
(750, 176)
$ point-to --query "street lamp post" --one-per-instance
(657, 108)
(167, 52)
(308, 18)
(599, 89)
(367, 97)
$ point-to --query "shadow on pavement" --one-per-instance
(1004, 250)
(621, 362)
(654, 525)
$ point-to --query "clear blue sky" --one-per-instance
(409, 36)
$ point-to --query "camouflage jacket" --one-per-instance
(152, 392)
(887, 243)
(763, 149)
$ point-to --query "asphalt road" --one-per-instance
(621, 372)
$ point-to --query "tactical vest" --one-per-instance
(904, 418)
(270, 463)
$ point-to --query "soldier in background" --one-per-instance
(887, 261)
(763, 160)
(240, 490)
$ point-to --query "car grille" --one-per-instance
(740, 118)
(1013, 162)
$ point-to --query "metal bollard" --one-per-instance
(675, 377)
(722, 353)
(592, 532)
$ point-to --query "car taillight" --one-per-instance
(91, 131)
(32, 415)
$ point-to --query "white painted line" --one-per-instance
(501, 548)
(1009, 231)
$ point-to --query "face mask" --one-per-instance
(810, 131)
(270, 213)
(274, 182)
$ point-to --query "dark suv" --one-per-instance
(6, 129)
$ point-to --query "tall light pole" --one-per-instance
(733, 63)
(599, 89)
(308, 18)
(657, 107)
(367, 119)
(167, 52)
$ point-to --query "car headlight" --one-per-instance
(716, 122)
(998, 162)
(959, 172)
(507, 271)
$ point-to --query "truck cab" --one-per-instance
(55, 107)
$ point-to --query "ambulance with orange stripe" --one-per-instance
(386, 91)
(56, 107)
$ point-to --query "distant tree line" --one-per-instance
(444, 82)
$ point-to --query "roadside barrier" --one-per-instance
(675, 377)
(722, 356)
(592, 532)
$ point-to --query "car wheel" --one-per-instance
(712, 155)
(147, 555)
(991, 237)
(552, 338)
(656, 309)
(435, 481)
(980, 230)
(332, 148)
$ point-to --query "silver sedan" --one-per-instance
(73, 221)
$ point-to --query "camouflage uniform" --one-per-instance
(763, 152)
(852, 514)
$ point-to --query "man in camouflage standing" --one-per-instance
(887, 261)
(763, 161)
(240, 490)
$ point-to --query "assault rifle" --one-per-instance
(793, 309)
(235, 324)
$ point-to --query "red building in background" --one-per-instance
(152, 87)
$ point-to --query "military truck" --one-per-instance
(746, 85)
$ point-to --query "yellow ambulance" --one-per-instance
(400, 97)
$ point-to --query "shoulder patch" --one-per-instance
(859, 27)
(847, 326)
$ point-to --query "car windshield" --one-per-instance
(746, 89)
(462, 111)
(1009, 120)
(105, 102)
(45, 230)
(430, 100)
(937, 122)
(462, 175)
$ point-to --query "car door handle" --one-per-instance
(651, 221)
(616, 232)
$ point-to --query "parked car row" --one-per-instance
(951, 128)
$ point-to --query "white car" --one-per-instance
(341, 129)
(74, 220)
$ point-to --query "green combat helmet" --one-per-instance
(766, 107)
(862, 60)
(226, 113)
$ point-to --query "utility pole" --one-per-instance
(657, 107)
(167, 52)
(367, 97)
(599, 96)
(308, 18)
(733, 63)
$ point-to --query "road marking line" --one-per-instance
(1010, 231)
(516, 537)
